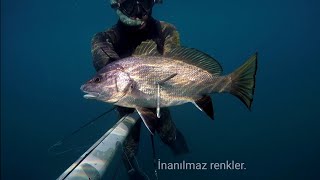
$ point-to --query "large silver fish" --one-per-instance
(150, 80)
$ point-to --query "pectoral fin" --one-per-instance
(136, 93)
(205, 104)
(159, 83)
(149, 118)
(166, 79)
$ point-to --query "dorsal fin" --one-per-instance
(195, 57)
(147, 48)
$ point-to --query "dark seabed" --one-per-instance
(45, 57)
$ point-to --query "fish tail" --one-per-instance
(243, 81)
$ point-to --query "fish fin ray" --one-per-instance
(136, 93)
(166, 79)
(205, 104)
(243, 81)
(195, 57)
(148, 118)
(147, 48)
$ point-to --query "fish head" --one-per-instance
(108, 85)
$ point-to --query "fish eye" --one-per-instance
(97, 80)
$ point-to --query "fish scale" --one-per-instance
(176, 90)
(183, 75)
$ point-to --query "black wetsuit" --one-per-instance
(120, 41)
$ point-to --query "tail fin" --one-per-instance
(243, 81)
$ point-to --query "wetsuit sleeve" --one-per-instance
(171, 36)
(102, 49)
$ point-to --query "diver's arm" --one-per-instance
(171, 36)
(102, 49)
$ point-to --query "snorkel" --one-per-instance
(128, 21)
(115, 4)
(128, 18)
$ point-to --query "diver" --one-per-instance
(134, 26)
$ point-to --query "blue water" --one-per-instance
(45, 57)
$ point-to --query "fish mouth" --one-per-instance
(90, 94)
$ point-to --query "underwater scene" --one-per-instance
(238, 99)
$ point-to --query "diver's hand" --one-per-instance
(159, 42)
